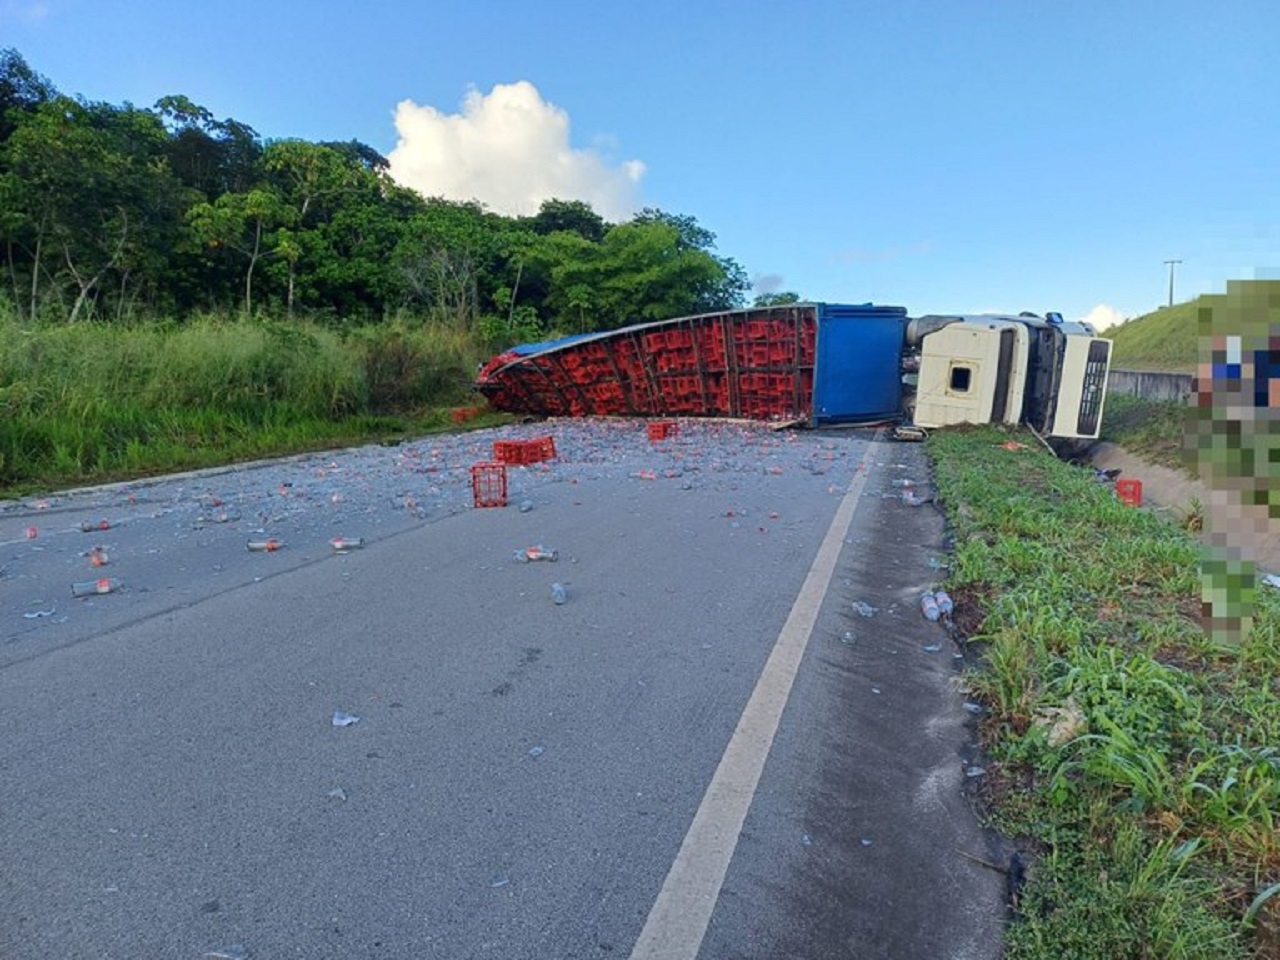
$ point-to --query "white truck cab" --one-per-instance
(990, 368)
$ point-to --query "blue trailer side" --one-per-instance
(859, 359)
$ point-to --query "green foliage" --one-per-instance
(776, 299)
(1107, 889)
(1090, 610)
(94, 400)
(113, 213)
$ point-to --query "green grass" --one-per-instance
(91, 402)
(1166, 340)
(1156, 820)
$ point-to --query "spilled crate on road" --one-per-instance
(489, 484)
(521, 453)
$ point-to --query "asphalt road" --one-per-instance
(523, 775)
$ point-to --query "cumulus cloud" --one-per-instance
(510, 150)
(1103, 316)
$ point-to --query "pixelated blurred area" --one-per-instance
(1234, 432)
(1233, 441)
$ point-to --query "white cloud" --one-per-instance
(1103, 316)
(510, 150)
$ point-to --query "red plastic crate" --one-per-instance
(662, 430)
(489, 484)
(521, 453)
(1129, 492)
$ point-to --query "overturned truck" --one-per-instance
(819, 364)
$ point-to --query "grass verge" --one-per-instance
(96, 402)
(1139, 763)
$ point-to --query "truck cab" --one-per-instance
(992, 368)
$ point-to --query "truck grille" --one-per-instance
(1093, 388)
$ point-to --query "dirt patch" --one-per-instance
(1176, 495)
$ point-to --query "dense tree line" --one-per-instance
(115, 212)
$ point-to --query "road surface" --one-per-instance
(706, 751)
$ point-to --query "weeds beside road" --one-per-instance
(90, 402)
(1139, 763)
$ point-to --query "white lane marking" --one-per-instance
(678, 920)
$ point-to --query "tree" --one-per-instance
(775, 299)
(574, 216)
(87, 193)
(308, 176)
(212, 156)
(244, 223)
(728, 289)
(21, 88)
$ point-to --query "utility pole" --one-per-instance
(1171, 264)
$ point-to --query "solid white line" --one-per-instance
(679, 918)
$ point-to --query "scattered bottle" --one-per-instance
(945, 603)
(343, 544)
(87, 588)
(537, 552)
(929, 606)
(98, 557)
(526, 506)
(270, 545)
(559, 594)
(32, 533)
(88, 526)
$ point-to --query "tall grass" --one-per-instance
(89, 401)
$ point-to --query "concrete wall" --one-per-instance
(1170, 387)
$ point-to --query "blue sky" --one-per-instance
(947, 156)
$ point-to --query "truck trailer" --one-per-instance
(819, 364)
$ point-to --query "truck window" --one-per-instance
(961, 377)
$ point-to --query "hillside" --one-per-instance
(1164, 340)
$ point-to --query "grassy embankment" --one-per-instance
(1166, 340)
(1153, 808)
(91, 402)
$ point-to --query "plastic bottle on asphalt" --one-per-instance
(929, 605)
(269, 545)
(342, 544)
(87, 588)
(536, 552)
(559, 594)
(945, 603)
